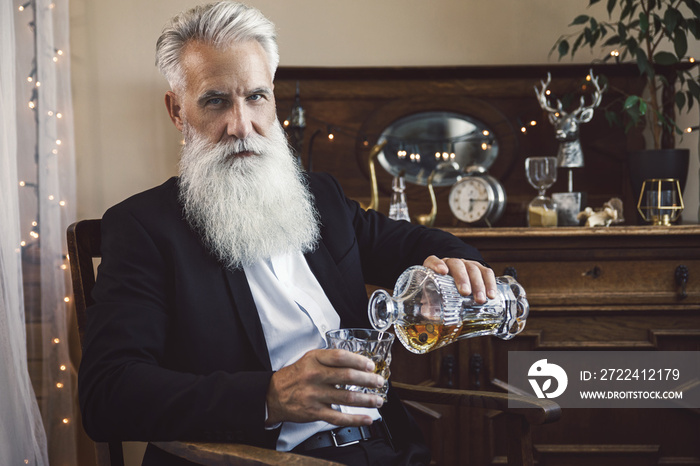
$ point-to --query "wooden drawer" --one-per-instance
(605, 282)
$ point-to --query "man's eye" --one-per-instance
(215, 101)
(255, 97)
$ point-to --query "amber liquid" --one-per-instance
(421, 338)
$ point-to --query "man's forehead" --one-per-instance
(210, 68)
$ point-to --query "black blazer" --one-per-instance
(174, 347)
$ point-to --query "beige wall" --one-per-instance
(126, 143)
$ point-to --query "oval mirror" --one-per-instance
(446, 142)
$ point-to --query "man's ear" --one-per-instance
(174, 109)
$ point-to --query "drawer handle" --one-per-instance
(682, 275)
(593, 273)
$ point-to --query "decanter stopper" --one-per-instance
(428, 312)
(398, 209)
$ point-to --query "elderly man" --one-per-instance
(216, 288)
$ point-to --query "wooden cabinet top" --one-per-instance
(680, 238)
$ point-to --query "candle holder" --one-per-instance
(660, 201)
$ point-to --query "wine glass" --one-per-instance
(541, 174)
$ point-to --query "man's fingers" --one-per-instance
(471, 277)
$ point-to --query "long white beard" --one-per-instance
(247, 208)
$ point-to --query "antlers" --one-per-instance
(544, 101)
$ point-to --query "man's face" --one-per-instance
(227, 94)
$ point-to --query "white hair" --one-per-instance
(247, 208)
(219, 24)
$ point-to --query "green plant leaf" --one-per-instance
(642, 107)
(694, 27)
(626, 11)
(643, 64)
(690, 100)
(614, 40)
(643, 23)
(611, 6)
(694, 89)
(694, 6)
(592, 2)
(631, 101)
(579, 39)
(665, 58)
(563, 48)
(580, 19)
(671, 19)
(680, 44)
(680, 100)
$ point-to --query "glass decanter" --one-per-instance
(398, 209)
(428, 312)
(541, 174)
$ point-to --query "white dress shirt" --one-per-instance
(295, 314)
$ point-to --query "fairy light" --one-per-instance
(65, 420)
(614, 53)
(62, 367)
(62, 203)
(56, 341)
(66, 299)
(59, 115)
(59, 385)
(533, 123)
(691, 60)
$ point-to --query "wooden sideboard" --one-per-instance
(589, 289)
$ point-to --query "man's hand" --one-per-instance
(470, 276)
(305, 390)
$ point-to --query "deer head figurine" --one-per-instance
(567, 125)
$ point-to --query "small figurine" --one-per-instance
(610, 214)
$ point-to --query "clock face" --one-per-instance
(471, 199)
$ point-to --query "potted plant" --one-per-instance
(655, 35)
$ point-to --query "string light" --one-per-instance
(56, 341)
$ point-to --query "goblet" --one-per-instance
(541, 174)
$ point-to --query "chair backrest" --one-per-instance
(84, 239)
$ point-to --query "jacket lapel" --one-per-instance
(244, 305)
(323, 267)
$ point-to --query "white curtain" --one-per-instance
(37, 181)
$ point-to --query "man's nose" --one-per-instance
(239, 123)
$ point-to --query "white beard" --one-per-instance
(247, 208)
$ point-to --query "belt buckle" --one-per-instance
(336, 444)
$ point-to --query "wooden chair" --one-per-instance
(521, 412)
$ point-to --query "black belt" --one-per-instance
(344, 436)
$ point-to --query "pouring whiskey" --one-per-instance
(428, 312)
